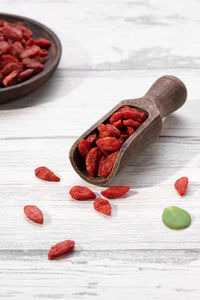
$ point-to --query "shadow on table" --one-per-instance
(160, 160)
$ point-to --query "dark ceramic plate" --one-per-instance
(50, 65)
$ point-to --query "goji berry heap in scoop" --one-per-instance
(21, 56)
(100, 149)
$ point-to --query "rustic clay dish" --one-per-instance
(39, 31)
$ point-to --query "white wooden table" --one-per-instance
(112, 50)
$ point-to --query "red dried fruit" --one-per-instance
(32, 64)
(40, 58)
(116, 117)
(3, 47)
(181, 185)
(103, 131)
(43, 43)
(11, 79)
(81, 193)
(134, 114)
(30, 52)
(46, 174)
(130, 130)
(92, 161)
(92, 138)
(113, 130)
(106, 165)
(125, 108)
(124, 136)
(6, 59)
(25, 75)
(118, 124)
(43, 52)
(12, 33)
(33, 213)
(108, 144)
(11, 67)
(27, 34)
(84, 147)
(15, 49)
(17, 24)
(60, 248)
(131, 123)
(103, 206)
(115, 191)
(29, 43)
(143, 117)
(3, 23)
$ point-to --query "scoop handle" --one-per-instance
(168, 93)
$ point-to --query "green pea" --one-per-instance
(176, 218)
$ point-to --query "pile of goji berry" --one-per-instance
(100, 149)
(21, 56)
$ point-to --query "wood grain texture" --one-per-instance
(112, 50)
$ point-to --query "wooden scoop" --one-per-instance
(165, 96)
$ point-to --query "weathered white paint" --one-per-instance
(112, 50)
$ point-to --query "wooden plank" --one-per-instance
(101, 275)
(60, 108)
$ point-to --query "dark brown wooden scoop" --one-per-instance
(165, 96)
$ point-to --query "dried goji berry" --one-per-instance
(108, 144)
(46, 174)
(84, 147)
(124, 136)
(39, 58)
(60, 248)
(181, 185)
(15, 49)
(27, 34)
(3, 23)
(131, 123)
(134, 114)
(11, 79)
(6, 59)
(29, 43)
(143, 116)
(43, 52)
(11, 67)
(106, 165)
(17, 24)
(43, 43)
(116, 117)
(103, 206)
(81, 193)
(3, 47)
(30, 51)
(118, 124)
(12, 33)
(25, 75)
(113, 130)
(115, 191)
(32, 64)
(92, 138)
(92, 161)
(33, 213)
(103, 131)
(130, 130)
